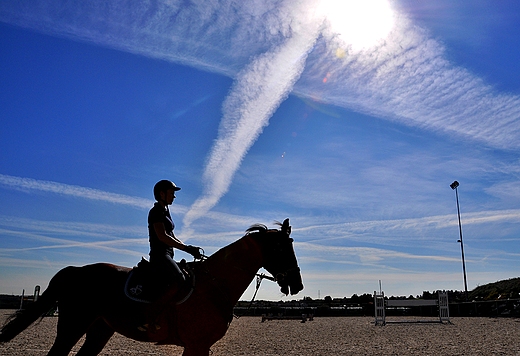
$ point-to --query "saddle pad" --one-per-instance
(141, 286)
(138, 290)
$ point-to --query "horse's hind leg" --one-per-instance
(97, 337)
(70, 330)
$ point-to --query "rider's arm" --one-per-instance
(168, 239)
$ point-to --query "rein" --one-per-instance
(259, 278)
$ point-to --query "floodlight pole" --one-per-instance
(454, 186)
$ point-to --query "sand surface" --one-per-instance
(322, 336)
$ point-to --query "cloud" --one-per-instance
(267, 47)
(405, 78)
(257, 93)
(408, 79)
(28, 184)
(54, 243)
(402, 229)
(366, 255)
(192, 105)
(30, 263)
(216, 220)
(506, 190)
(71, 228)
(304, 227)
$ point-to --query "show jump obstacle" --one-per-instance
(380, 305)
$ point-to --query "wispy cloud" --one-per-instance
(306, 227)
(506, 191)
(428, 222)
(367, 255)
(28, 184)
(68, 228)
(56, 243)
(192, 105)
(215, 220)
(406, 78)
(257, 93)
(23, 256)
(432, 233)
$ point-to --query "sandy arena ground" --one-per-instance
(322, 336)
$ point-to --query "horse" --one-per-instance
(91, 299)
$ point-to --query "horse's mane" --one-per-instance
(260, 227)
(256, 228)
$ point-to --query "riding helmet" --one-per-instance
(162, 186)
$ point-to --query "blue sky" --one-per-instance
(351, 121)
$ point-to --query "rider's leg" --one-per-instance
(174, 280)
(167, 269)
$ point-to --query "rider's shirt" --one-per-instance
(159, 214)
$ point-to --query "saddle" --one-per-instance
(144, 286)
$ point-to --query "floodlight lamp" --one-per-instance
(454, 185)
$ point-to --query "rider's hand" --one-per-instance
(194, 251)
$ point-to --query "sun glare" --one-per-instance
(360, 23)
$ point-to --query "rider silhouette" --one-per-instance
(161, 236)
(162, 243)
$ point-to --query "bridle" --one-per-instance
(277, 278)
(259, 277)
(281, 276)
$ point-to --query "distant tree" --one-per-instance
(328, 299)
(508, 288)
(428, 295)
(365, 298)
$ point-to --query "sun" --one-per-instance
(359, 23)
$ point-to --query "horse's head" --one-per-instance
(279, 257)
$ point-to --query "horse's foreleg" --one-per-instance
(97, 337)
(195, 351)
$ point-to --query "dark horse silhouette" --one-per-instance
(91, 298)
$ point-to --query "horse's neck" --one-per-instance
(235, 265)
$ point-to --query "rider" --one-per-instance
(162, 242)
(162, 239)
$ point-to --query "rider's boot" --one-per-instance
(155, 309)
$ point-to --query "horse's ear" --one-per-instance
(286, 227)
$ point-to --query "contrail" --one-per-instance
(257, 93)
(73, 190)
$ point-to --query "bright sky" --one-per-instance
(351, 121)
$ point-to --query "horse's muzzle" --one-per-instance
(290, 281)
(296, 288)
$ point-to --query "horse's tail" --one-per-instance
(20, 320)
